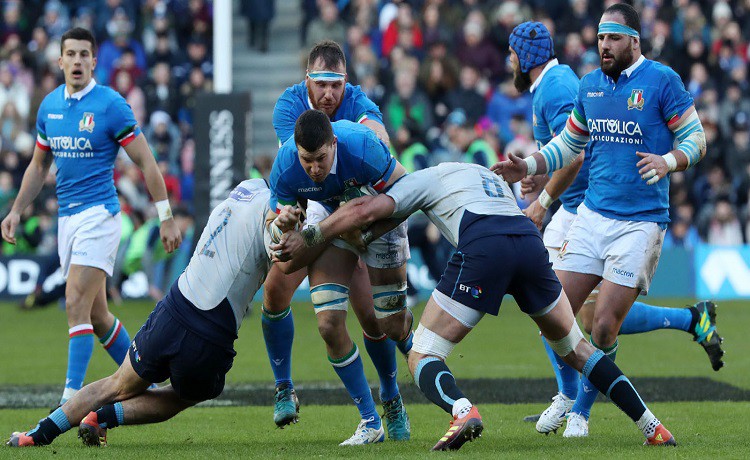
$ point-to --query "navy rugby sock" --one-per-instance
(49, 428)
(587, 391)
(604, 374)
(278, 333)
(437, 383)
(111, 415)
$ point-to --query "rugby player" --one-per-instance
(631, 111)
(325, 88)
(82, 126)
(189, 336)
(554, 88)
(313, 169)
(498, 251)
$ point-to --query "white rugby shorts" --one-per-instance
(557, 228)
(89, 238)
(622, 252)
(389, 251)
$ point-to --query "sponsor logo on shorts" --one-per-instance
(80, 253)
(135, 352)
(474, 291)
(617, 271)
(387, 255)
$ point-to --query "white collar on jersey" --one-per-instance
(635, 65)
(538, 80)
(335, 159)
(79, 95)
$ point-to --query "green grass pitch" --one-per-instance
(34, 346)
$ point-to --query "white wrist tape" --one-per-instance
(671, 161)
(545, 200)
(530, 165)
(164, 210)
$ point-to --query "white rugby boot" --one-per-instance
(365, 435)
(577, 427)
(553, 417)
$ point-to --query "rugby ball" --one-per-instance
(357, 191)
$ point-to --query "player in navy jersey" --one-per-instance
(188, 338)
(554, 87)
(631, 111)
(325, 88)
(82, 126)
(498, 252)
(313, 169)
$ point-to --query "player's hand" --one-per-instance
(171, 238)
(288, 218)
(354, 238)
(9, 225)
(288, 248)
(511, 170)
(653, 167)
(536, 213)
(533, 184)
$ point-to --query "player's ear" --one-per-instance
(93, 63)
(59, 62)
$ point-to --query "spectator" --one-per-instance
(327, 26)
(124, 84)
(197, 56)
(56, 19)
(404, 24)
(469, 96)
(435, 31)
(164, 138)
(504, 104)
(738, 151)
(161, 92)
(474, 49)
(259, 14)
(724, 228)
(120, 28)
(681, 234)
(408, 101)
(13, 91)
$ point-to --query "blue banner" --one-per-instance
(722, 272)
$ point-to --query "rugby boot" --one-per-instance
(661, 437)
(365, 434)
(705, 333)
(20, 439)
(286, 406)
(577, 426)
(462, 429)
(553, 417)
(91, 433)
(396, 419)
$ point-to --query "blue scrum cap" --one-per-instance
(532, 43)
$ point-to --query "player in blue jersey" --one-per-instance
(554, 88)
(188, 338)
(631, 111)
(82, 126)
(325, 88)
(498, 252)
(313, 169)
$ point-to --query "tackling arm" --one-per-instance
(379, 130)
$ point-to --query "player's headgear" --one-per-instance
(532, 43)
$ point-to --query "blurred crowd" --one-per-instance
(155, 53)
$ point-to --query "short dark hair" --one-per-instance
(313, 130)
(628, 13)
(78, 33)
(329, 51)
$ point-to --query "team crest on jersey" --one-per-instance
(87, 122)
(636, 101)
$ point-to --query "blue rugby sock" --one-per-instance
(116, 341)
(111, 415)
(587, 391)
(382, 352)
(352, 374)
(49, 428)
(609, 379)
(437, 383)
(567, 377)
(80, 348)
(644, 318)
(278, 333)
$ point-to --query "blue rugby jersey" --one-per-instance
(84, 132)
(355, 106)
(632, 115)
(552, 98)
(360, 159)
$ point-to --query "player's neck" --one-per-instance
(72, 89)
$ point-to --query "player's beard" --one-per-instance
(618, 64)
(311, 96)
(521, 80)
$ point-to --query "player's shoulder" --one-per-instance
(54, 98)
(294, 93)
(595, 77)
(104, 93)
(559, 77)
(351, 133)
(655, 69)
